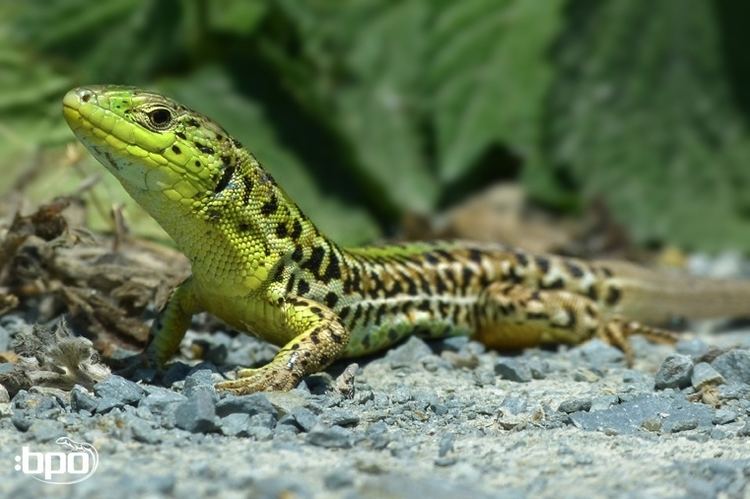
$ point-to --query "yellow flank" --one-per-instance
(264, 268)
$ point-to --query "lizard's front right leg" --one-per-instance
(319, 339)
(169, 328)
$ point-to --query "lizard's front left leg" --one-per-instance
(319, 339)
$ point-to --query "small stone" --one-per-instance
(454, 343)
(340, 417)
(724, 416)
(704, 374)
(21, 420)
(603, 402)
(198, 413)
(264, 420)
(46, 430)
(4, 395)
(674, 372)
(651, 424)
(575, 405)
(256, 403)
(683, 425)
(330, 437)
(4, 339)
(259, 433)
(446, 444)
(694, 347)
(199, 380)
(734, 391)
(301, 417)
(734, 366)
(143, 431)
(119, 390)
(160, 400)
(717, 434)
(598, 353)
(513, 370)
(285, 402)
(82, 400)
(235, 425)
(408, 354)
(585, 375)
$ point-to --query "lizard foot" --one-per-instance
(269, 377)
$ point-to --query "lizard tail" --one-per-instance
(651, 296)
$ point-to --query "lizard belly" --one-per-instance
(250, 314)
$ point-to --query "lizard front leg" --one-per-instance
(169, 328)
(319, 339)
(513, 316)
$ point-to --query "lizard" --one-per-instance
(263, 267)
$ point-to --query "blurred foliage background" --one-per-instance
(369, 110)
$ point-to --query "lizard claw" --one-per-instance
(268, 377)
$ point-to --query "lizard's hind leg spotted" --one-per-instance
(319, 340)
(512, 316)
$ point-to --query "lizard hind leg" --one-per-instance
(319, 339)
(616, 331)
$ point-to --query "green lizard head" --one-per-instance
(152, 144)
(209, 193)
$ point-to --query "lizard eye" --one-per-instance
(160, 118)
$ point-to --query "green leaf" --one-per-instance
(489, 73)
(642, 116)
(367, 61)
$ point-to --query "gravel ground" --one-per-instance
(445, 419)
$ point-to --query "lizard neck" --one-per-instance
(236, 234)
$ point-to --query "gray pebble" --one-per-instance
(694, 347)
(120, 390)
(142, 431)
(259, 433)
(264, 420)
(4, 339)
(513, 369)
(575, 405)
(674, 372)
(21, 420)
(4, 395)
(301, 417)
(598, 353)
(235, 425)
(330, 437)
(81, 400)
(408, 354)
(603, 402)
(585, 375)
(199, 380)
(704, 374)
(724, 416)
(682, 425)
(256, 403)
(734, 391)
(341, 417)
(160, 400)
(198, 413)
(446, 444)
(45, 430)
(734, 366)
